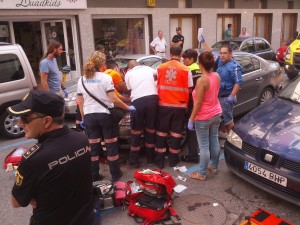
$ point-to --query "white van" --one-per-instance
(16, 80)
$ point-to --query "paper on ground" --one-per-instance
(182, 169)
(179, 188)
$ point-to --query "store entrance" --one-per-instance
(28, 35)
(34, 37)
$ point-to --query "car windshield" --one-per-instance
(235, 45)
(292, 91)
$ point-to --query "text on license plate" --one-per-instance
(265, 173)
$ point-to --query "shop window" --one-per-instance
(11, 68)
(120, 36)
(4, 32)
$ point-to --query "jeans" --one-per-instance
(207, 136)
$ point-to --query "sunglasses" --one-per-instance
(27, 120)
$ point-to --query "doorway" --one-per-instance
(189, 24)
(28, 35)
(34, 37)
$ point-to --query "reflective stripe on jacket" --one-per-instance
(172, 84)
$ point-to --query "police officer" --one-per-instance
(178, 39)
(140, 80)
(173, 82)
(54, 175)
(230, 72)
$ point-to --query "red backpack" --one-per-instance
(153, 204)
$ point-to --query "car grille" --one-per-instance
(252, 151)
(249, 149)
(290, 165)
(287, 164)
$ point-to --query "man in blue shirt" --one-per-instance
(230, 72)
(49, 72)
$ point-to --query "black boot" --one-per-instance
(159, 160)
(134, 159)
(115, 171)
(173, 159)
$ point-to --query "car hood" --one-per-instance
(273, 126)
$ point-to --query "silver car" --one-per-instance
(255, 45)
(261, 79)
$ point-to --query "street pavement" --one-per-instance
(221, 199)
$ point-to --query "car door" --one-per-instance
(263, 49)
(251, 88)
(248, 46)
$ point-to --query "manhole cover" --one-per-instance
(199, 209)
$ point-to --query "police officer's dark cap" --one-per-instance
(39, 101)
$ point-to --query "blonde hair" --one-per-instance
(96, 61)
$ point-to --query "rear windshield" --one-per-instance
(292, 91)
(10, 68)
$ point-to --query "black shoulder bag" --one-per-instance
(116, 113)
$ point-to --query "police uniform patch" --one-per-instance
(31, 151)
(19, 179)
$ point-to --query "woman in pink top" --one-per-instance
(206, 116)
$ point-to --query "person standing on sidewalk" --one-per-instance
(97, 117)
(54, 176)
(178, 39)
(230, 72)
(140, 80)
(50, 76)
(159, 44)
(173, 83)
(190, 59)
(205, 117)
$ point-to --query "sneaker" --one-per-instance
(198, 176)
(212, 170)
(223, 135)
(189, 159)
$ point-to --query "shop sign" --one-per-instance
(151, 3)
(43, 4)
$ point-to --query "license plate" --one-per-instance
(266, 174)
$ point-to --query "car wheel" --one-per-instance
(9, 126)
(266, 95)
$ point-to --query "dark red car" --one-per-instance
(280, 53)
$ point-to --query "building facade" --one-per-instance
(127, 27)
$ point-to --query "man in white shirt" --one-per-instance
(140, 80)
(158, 45)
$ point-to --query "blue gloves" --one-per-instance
(191, 125)
(230, 99)
(131, 108)
(66, 92)
(202, 39)
(82, 124)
